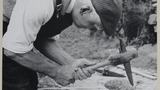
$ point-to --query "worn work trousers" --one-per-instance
(15, 76)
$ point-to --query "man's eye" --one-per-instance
(85, 9)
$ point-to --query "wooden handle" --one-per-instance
(121, 58)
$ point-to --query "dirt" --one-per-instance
(97, 82)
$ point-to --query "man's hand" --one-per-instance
(80, 69)
(67, 74)
(64, 75)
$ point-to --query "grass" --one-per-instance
(79, 44)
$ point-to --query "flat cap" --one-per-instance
(109, 12)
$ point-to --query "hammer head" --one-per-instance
(126, 65)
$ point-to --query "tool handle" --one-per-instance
(116, 59)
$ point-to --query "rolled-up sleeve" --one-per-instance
(26, 20)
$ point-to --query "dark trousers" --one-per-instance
(15, 76)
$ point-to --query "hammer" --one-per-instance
(122, 58)
(115, 60)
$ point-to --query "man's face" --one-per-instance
(86, 17)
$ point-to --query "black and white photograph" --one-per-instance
(79, 45)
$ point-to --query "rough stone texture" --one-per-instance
(118, 85)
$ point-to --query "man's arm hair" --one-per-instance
(51, 49)
(34, 62)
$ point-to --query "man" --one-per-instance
(33, 23)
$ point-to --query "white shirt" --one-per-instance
(26, 20)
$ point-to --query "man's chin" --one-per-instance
(77, 25)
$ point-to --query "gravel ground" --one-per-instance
(97, 82)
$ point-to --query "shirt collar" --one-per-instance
(70, 7)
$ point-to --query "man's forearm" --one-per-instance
(53, 51)
(34, 62)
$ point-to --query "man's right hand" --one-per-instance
(64, 75)
(67, 74)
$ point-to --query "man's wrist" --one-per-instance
(52, 72)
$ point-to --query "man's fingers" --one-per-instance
(75, 75)
(86, 72)
(81, 74)
(91, 71)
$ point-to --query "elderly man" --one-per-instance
(33, 23)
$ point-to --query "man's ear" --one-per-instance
(85, 9)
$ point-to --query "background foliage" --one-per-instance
(134, 22)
